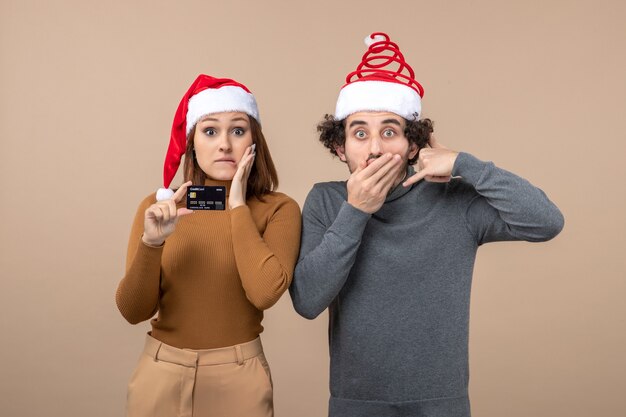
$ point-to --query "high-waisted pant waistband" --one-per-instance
(202, 357)
(173, 382)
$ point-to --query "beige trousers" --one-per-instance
(226, 382)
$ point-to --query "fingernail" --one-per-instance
(253, 147)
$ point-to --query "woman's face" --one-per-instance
(220, 139)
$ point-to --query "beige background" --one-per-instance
(87, 94)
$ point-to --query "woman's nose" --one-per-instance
(224, 143)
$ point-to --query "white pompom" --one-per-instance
(164, 194)
(369, 41)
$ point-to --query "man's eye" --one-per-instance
(360, 134)
(389, 133)
(210, 131)
(238, 131)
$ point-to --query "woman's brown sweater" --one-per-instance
(212, 278)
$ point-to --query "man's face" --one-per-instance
(372, 134)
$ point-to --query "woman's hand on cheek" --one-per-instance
(238, 187)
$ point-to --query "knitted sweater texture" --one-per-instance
(213, 277)
(397, 283)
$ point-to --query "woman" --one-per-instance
(209, 274)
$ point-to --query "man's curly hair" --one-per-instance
(333, 133)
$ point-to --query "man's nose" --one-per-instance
(376, 148)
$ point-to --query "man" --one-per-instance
(390, 252)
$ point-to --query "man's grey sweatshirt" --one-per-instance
(397, 283)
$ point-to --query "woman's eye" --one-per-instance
(359, 134)
(238, 131)
(388, 133)
(210, 132)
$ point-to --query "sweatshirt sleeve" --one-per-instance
(507, 206)
(265, 263)
(327, 254)
(137, 294)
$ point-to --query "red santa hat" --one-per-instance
(206, 95)
(383, 81)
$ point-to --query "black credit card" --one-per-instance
(204, 197)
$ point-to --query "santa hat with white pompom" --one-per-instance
(206, 95)
(383, 81)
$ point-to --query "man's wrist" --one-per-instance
(469, 167)
(356, 206)
(350, 221)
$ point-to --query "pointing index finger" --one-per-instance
(178, 195)
(415, 178)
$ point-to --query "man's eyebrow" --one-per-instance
(356, 122)
(393, 121)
